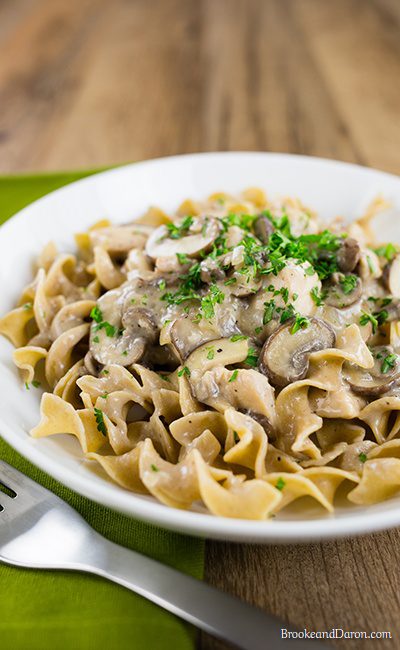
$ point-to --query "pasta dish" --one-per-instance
(235, 356)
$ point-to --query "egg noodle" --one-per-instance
(235, 356)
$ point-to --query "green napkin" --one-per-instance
(72, 611)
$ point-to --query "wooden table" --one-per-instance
(93, 82)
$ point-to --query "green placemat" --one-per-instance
(72, 611)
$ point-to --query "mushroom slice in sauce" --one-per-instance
(223, 352)
(263, 228)
(128, 345)
(391, 276)
(343, 290)
(197, 237)
(186, 336)
(285, 356)
(348, 255)
(378, 379)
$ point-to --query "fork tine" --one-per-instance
(19, 483)
(10, 476)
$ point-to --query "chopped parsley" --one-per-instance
(238, 337)
(362, 457)
(388, 363)
(34, 383)
(98, 413)
(300, 322)
(165, 377)
(210, 353)
(154, 468)
(233, 376)
(182, 258)
(214, 297)
(287, 313)
(317, 296)
(252, 358)
(97, 315)
(27, 306)
(389, 251)
(280, 484)
(348, 283)
(184, 371)
(178, 231)
(370, 265)
(269, 310)
(369, 318)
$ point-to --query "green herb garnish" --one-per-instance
(210, 353)
(252, 358)
(233, 376)
(348, 283)
(389, 251)
(388, 363)
(280, 484)
(300, 322)
(98, 413)
(176, 232)
(184, 371)
(369, 318)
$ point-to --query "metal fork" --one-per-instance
(39, 530)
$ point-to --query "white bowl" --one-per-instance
(329, 187)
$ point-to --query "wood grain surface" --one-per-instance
(94, 82)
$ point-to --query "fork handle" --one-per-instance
(211, 610)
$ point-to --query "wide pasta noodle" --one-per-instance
(236, 357)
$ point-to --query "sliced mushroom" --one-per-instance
(342, 290)
(263, 228)
(285, 356)
(126, 345)
(91, 366)
(348, 255)
(198, 237)
(392, 308)
(378, 379)
(186, 336)
(391, 276)
(224, 352)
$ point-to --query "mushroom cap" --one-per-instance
(340, 294)
(348, 255)
(263, 228)
(284, 358)
(161, 244)
(186, 336)
(391, 276)
(374, 381)
(127, 346)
